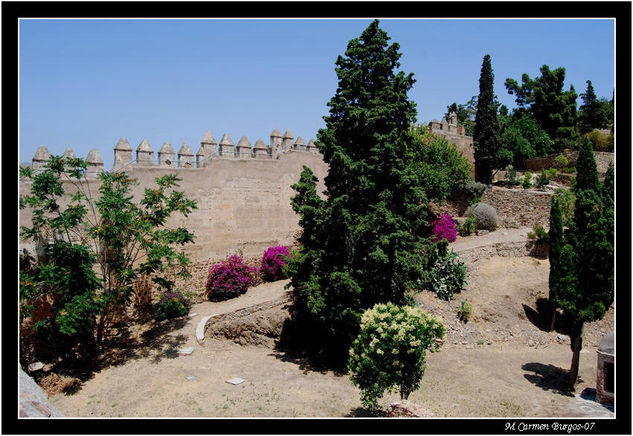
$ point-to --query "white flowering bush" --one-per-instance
(390, 351)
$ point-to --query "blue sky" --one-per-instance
(86, 83)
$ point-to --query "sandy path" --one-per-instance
(500, 380)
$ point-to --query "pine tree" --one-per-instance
(544, 99)
(584, 288)
(593, 113)
(486, 132)
(360, 245)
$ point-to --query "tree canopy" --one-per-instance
(545, 100)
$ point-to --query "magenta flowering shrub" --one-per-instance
(228, 279)
(444, 228)
(172, 304)
(273, 262)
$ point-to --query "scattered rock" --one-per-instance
(235, 380)
(35, 366)
(191, 315)
(187, 350)
(406, 408)
(482, 232)
(531, 343)
(191, 378)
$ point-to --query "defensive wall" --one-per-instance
(243, 192)
(455, 134)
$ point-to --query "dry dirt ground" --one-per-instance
(499, 364)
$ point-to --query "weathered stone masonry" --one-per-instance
(243, 192)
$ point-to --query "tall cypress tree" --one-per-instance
(486, 132)
(362, 248)
(585, 268)
(555, 246)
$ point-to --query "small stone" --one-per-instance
(235, 380)
(482, 232)
(191, 378)
(36, 366)
(187, 350)
(191, 315)
(531, 343)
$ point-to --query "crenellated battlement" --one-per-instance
(94, 161)
(144, 156)
(209, 150)
(456, 135)
(242, 188)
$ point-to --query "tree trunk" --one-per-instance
(576, 346)
(551, 327)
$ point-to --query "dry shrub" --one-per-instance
(143, 296)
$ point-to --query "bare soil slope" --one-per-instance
(498, 364)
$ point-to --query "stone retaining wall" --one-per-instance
(539, 163)
(515, 207)
(519, 207)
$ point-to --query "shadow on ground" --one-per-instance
(359, 412)
(153, 341)
(541, 317)
(548, 377)
(306, 362)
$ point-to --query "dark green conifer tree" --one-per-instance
(556, 244)
(593, 113)
(360, 242)
(585, 270)
(486, 131)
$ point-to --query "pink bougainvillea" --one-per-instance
(444, 228)
(273, 262)
(228, 279)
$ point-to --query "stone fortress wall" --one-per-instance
(456, 135)
(243, 191)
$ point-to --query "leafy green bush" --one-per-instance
(485, 216)
(525, 139)
(551, 172)
(543, 180)
(539, 235)
(469, 227)
(120, 240)
(464, 310)
(527, 180)
(568, 170)
(446, 274)
(390, 351)
(512, 176)
(442, 167)
(172, 304)
(561, 160)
